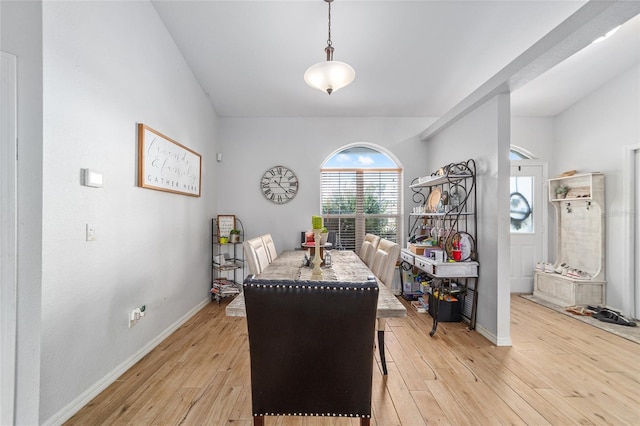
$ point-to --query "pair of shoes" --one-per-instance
(579, 310)
(561, 268)
(607, 315)
(575, 273)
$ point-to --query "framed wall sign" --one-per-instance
(166, 165)
(226, 222)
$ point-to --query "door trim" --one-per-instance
(8, 233)
(629, 172)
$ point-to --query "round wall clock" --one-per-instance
(279, 184)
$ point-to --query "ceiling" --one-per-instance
(412, 58)
(575, 77)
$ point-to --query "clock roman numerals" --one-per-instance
(279, 185)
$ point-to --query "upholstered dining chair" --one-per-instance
(384, 261)
(368, 248)
(311, 347)
(251, 257)
(256, 254)
(333, 239)
(270, 247)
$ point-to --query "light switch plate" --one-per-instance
(91, 232)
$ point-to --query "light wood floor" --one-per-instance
(559, 371)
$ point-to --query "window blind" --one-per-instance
(356, 202)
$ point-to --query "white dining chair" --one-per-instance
(385, 260)
(270, 247)
(256, 254)
(251, 258)
(368, 249)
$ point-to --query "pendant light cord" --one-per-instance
(329, 39)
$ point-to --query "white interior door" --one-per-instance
(528, 222)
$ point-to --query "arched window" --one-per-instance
(361, 194)
(517, 153)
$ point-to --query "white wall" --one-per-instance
(250, 146)
(590, 137)
(484, 135)
(108, 66)
(535, 134)
(27, 47)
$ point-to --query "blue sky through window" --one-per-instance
(359, 158)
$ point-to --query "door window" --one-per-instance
(521, 204)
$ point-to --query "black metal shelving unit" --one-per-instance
(227, 263)
(446, 216)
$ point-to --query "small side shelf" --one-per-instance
(467, 269)
(442, 214)
(439, 179)
(583, 187)
(227, 267)
(227, 263)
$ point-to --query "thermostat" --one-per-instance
(92, 178)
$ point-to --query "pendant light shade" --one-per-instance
(330, 75)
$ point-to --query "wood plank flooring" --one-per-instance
(559, 371)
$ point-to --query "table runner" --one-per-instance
(345, 266)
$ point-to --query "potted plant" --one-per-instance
(561, 191)
(234, 236)
(324, 235)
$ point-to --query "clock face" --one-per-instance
(279, 184)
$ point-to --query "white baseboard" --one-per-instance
(492, 337)
(83, 399)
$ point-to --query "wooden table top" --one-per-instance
(345, 266)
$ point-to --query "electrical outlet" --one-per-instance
(135, 315)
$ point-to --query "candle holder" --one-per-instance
(316, 273)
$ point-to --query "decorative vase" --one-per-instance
(234, 238)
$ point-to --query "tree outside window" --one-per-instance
(361, 194)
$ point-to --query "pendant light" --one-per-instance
(330, 75)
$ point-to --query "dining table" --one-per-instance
(345, 266)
